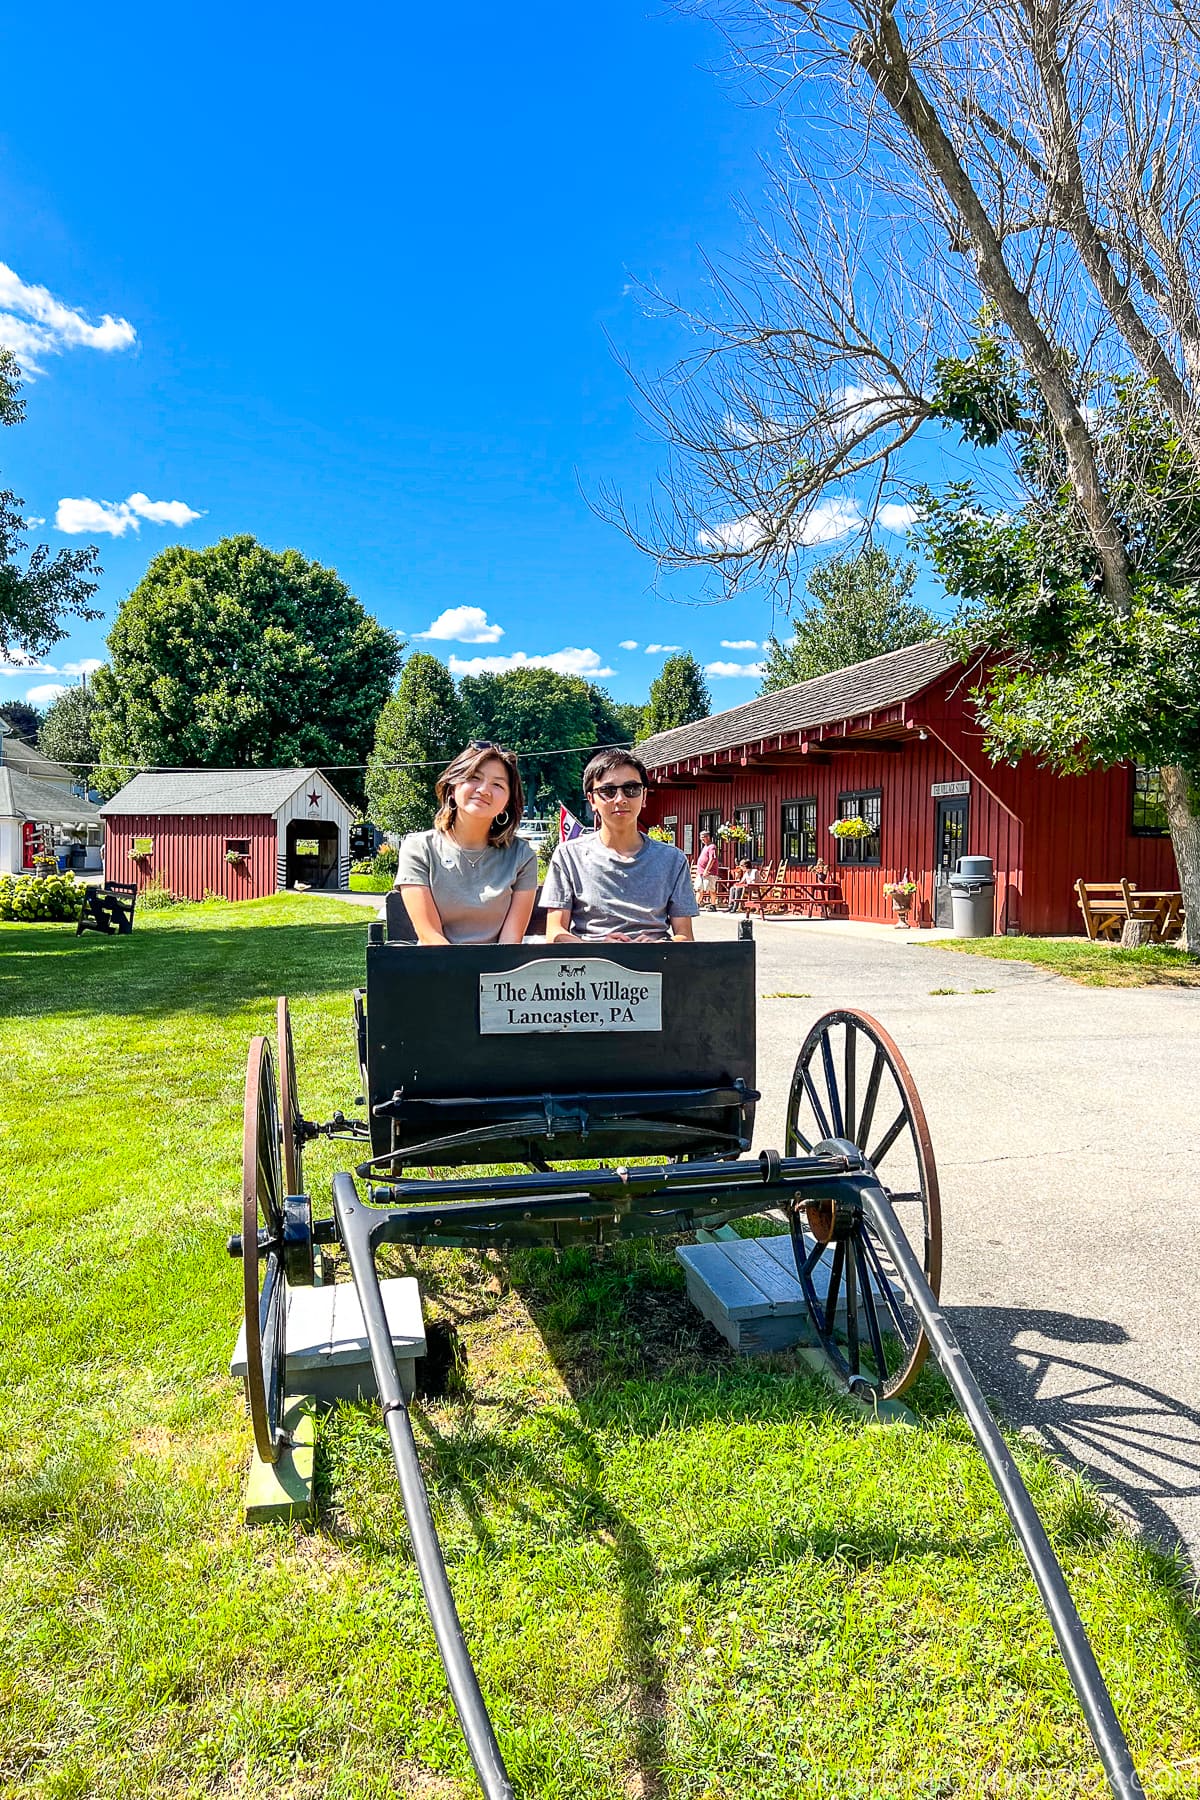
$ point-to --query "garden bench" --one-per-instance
(108, 909)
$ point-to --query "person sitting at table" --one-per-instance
(471, 880)
(615, 882)
(743, 877)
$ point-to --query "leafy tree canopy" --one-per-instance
(25, 720)
(69, 730)
(538, 712)
(678, 694)
(861, 606)
(422, 724)
(238, 656)
(36, 592)
(1077, 679)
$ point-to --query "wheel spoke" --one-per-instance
(869, 1099)
(835, 1282)
(852, 1310)
(810, 1089)
(868, 1300)
(835, 1104)
(851, 1054)
(888, 1292)
(889, 1137)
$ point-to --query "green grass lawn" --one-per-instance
(683, 1576)
(371, 884)
(1092, 964)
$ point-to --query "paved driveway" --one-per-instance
(1066, 1123)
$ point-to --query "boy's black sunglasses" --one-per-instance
(610, 790)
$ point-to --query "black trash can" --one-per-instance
(973, 897)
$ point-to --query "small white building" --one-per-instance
(40, 812)
(241, 833)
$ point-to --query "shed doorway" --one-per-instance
(312, 854)
(949, 843)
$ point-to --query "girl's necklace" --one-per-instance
(473, 858)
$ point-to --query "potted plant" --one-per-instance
(901, 894)
(236, 857)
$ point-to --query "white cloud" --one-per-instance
(739, 643)
(894, 516)
(32, 522)
(824, 522)
(627, 644)
(14, 665)
(861, 404)
(115, 517)
(662, 649)
(463, 625)
(563, 662)
(87, 666)
(732, 671)
(44, 695)
(33, 324)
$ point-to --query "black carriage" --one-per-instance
(613, 1088)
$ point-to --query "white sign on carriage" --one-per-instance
(582, 993)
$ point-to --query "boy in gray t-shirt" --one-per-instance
(614, 882)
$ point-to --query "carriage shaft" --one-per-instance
(427, 1552)
(1077, 1653)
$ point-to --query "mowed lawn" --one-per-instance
(681, 1575)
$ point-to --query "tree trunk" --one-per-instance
(1182, 794)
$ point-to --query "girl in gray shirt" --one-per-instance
(471, 880)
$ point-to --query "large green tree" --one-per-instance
(678, 695)
(38, 590)
(861, 606)
(539, 714)
(419, 730)
(69, 730)
(24, 719)
(242, 657)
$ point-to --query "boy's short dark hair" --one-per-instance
(606, 760)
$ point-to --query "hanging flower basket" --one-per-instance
(850, 828)
(236, 857)
(733, 833)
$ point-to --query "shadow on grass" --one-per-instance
(168, 969)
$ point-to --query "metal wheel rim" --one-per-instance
(289, 1102)
(859, 1265)
(262, 1208)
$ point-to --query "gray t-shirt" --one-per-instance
(605, 892)
(471, 889)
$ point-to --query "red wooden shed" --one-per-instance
(240, 833)
(896, 741)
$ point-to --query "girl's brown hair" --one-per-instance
(468, 762)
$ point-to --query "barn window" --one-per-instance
(1148, 816)
(753, 820)
(709, 821)
(237, 846)
(798, 831)
(868, 807)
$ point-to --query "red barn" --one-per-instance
(240, 833)
(896, 741)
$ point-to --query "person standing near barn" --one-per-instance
(706, 873)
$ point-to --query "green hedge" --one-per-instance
(30, 898)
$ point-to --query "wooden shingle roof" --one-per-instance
(846, 694)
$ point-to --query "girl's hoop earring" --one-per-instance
(501, 818)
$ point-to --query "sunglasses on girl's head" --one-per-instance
(487, 744)
(610, 790)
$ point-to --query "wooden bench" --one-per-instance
(1107, 906)
(108, 909)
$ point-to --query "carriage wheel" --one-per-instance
(264, 1283)
(289, 1104)
(852, 1083)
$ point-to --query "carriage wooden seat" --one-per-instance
(497, 1053)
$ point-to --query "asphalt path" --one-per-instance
(1066, 1125)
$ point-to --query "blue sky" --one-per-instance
(360, 270)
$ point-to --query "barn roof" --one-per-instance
(32, 786)
(211, 791)
(846, 694)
